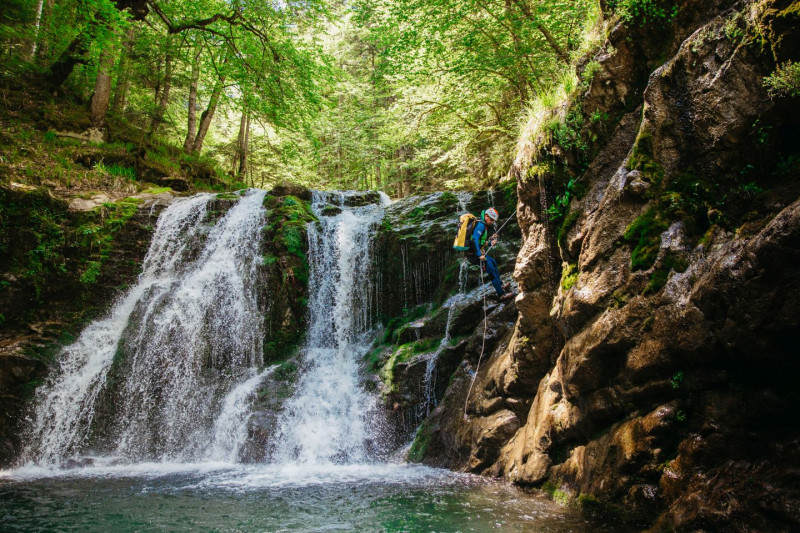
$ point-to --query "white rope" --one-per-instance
(483, 346)
(485, 318)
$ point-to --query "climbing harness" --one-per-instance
(485, 322)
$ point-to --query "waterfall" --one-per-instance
(230, 429)
(326, 421)
(176, 354)
(429, 379)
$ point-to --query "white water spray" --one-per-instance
(429, 380)
(183, 337)
(230, 428)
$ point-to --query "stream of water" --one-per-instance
(152, 404)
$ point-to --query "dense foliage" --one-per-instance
(400, 95)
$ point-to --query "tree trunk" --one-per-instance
(102, 89)
(243, 147)
(191, 125)
(157, 88)
(73, 54)
(44, 36)
(123, 77)
(37, 24)
(237, 150)
(158, 116)
(207, 116)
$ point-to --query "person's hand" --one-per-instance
(483, 258)
(494, 240)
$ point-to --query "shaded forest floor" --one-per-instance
(42, 145)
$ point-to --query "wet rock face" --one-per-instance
(414, 246)
(654, 365)
(284, 271)
(431, 303)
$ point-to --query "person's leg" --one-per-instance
(494, 275)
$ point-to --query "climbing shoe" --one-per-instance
(507, 296)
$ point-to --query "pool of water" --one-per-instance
(233, 498)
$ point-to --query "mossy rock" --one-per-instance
(361, 199)
(291, 189)
(419, 447)
(285, 267)
(645, 235)
(330, 211)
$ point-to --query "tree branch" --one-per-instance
(544, 31)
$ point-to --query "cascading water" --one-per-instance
(429, 379)
(326, 420)
(181, 340)
(230, 429)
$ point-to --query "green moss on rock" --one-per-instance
(569, 276)
(645, 235)
(420, 445)
(285, 264)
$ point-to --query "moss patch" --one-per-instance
(567, 225)
(645, 235)
(97, 234)
(421, 442)
(658, 278)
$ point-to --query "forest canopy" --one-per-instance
(399, 95)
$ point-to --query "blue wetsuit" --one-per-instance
(490, 265)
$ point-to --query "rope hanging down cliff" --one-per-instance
(485, 319)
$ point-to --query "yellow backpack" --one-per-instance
(466, 223)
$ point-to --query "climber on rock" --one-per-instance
(477, 256)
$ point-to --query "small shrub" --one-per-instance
(785, 81)
(734, 28)
(676, 380)
(645, 11)
(569, 276)
(561, 204)
(89, 275)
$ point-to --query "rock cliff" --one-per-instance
(653, 370)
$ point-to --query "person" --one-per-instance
(477, 256)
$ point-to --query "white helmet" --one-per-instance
(492, 213)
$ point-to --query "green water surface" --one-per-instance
(233, 498)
